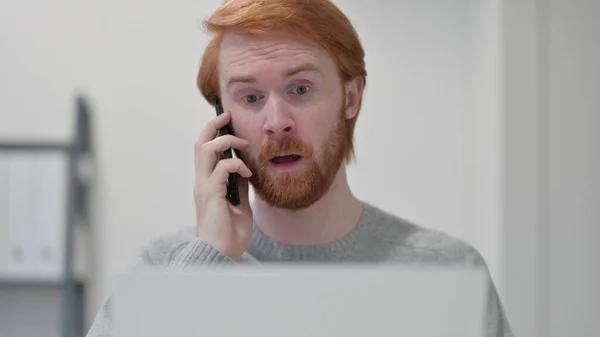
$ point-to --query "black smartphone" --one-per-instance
(233, 195)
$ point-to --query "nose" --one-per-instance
(278, 120)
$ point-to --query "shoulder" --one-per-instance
(448, 249)
(156, 252)
(415, 243)
(161, 249)
(407, 242)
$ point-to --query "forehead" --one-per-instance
(245, 54)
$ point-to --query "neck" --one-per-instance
(330, 219)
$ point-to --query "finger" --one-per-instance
(210, 153)
(209, 132)
(224, 168)
(211, 129)
(244, 191)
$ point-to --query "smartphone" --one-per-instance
(233, 195)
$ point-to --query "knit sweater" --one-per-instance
(379, 237)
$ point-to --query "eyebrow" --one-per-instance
(298, 69)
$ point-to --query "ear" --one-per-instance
(354, 91)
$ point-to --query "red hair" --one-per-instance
(319, 21)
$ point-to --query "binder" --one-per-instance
(50, 209)
(21, 217)
(35, 209)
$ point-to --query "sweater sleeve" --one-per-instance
(197, 253)
(496, 321)
(171, 252)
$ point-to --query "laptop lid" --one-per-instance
(301, 301)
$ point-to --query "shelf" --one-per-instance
(43, 147)
(6, 282)
(52, 304)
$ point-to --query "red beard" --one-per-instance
(299, 189)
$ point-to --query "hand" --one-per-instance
(226, 227)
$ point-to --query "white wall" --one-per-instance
(430, 101)
(552, 166)
(522, 162)
(573, 168)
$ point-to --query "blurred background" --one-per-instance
(485, 113)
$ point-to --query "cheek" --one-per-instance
(248, 129)
(320, 126)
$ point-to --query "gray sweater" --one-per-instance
(379, 237)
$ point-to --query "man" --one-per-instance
(291, 75)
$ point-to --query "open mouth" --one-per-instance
(287, 159)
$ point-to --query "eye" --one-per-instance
(300, 90)
(250, 98)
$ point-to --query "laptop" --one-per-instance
(302, 301)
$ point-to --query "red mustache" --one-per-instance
(283, 147)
